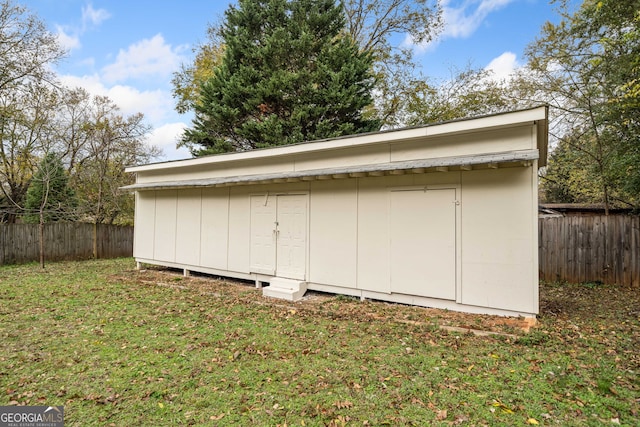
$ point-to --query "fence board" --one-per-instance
(590, 249)
(20, 243)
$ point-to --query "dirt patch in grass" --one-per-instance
(349, 307)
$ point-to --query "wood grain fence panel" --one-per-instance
(600, 261)
(634, 265)
(628, 263)
(63, 241)
(115, 241)
(590, 249)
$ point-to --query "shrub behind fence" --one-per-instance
(598, 248)
(20, 243)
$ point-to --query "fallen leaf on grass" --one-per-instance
(532, 421)
(502, 406)
(343, 404)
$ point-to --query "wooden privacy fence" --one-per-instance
(599, 248)
(64, 241)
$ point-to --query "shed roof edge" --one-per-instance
(473, 160)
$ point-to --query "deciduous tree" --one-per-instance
(390, 29)
(27, 48)
(100, 142)
(188, 81)
(587, 67)
(27, 52)
(467, 93)
(49, 197)
(25, 119)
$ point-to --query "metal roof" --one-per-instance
(441, 164)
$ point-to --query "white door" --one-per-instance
(291, 247)
(279, 235)
(422, 231)
(263, 235)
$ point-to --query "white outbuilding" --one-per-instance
(443, 215)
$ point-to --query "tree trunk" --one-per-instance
(41, 232)
(606, 200)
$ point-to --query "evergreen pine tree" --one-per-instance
(289, 75)
(49, 193)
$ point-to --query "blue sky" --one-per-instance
(128, 49)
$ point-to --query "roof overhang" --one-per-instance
(442, 164)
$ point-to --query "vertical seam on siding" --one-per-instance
(226, 262)
(200, 231)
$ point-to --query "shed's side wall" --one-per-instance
(348, 237)
(333, 253)
(188, 227)
(214, 229)
(144, 231)
(164, 236)
(239, 231)
(498, 239)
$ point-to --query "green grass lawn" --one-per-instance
(118, 347)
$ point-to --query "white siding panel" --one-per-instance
(188, 226)
(497, 239)
(165, 226)
(239, 230)
(215, 228)
(423, 242)
(144, 224)
(333, 233)
(373, 235)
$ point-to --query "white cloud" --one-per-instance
(136, 81)
(89, 82)
(69, 36)
(149, 57)
(503, 66)
(156, 105)
(67, 41)
(91, 16)
(461, 20)
(166, 137)
(464, 20)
